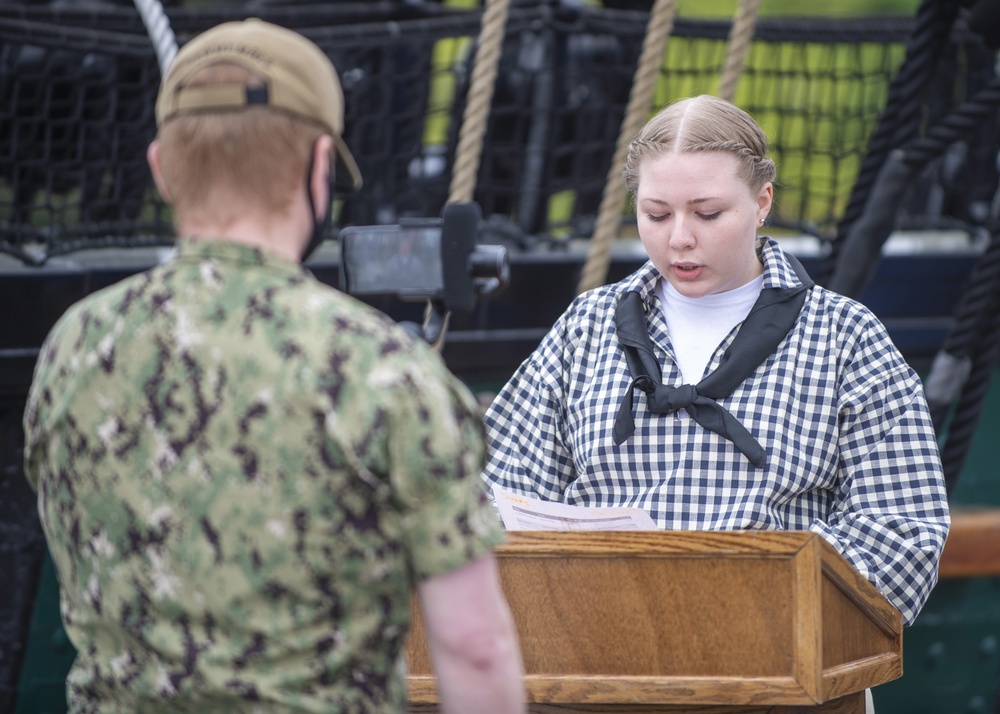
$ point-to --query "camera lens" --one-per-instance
(489, 268)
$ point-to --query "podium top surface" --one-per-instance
(660, 543)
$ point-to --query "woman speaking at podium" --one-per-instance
(718, 388)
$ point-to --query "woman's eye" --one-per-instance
(657, 218)
(710, 216)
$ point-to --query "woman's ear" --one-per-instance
(153, 159)
(764, 200)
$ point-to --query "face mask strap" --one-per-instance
(320, 225)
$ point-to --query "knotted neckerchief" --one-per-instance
(769, 320)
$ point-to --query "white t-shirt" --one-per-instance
(698, 325)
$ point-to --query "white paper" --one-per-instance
(523, 513)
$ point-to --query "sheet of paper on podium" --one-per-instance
(522, 513)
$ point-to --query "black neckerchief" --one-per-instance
(769, 320)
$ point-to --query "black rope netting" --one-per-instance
(902, 115)
(78, 87)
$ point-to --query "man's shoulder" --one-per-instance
(84, 323)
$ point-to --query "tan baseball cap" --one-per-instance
(298, 78)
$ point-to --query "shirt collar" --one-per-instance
(778, 272)
(221, 249)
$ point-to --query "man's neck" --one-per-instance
(283, 238)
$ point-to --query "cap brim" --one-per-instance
(347, 175)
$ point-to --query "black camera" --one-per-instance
(434, 259)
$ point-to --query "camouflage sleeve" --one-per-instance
(436, 452)
(32, 436)
(44, 384)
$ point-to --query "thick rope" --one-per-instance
(964, 423)
(739, 43)
(492, 29)
(860, 250)
(477, 107)
(661, 21)
(961, 120)
(160, 33)
(948, 374)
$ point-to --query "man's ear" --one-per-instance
(153, 158)
(321, 178)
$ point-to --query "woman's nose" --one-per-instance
(680, 233)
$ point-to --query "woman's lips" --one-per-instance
(687, 271)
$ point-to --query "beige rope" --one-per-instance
(492, 29)
(739, 42)
(477, 107)
(609, 216)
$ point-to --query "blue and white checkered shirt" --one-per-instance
(851, 450)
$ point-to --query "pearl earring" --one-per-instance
(762, 221)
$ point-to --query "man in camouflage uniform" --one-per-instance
(242, 473)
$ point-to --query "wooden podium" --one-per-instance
(755, 622)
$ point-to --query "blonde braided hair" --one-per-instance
(702, 124)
